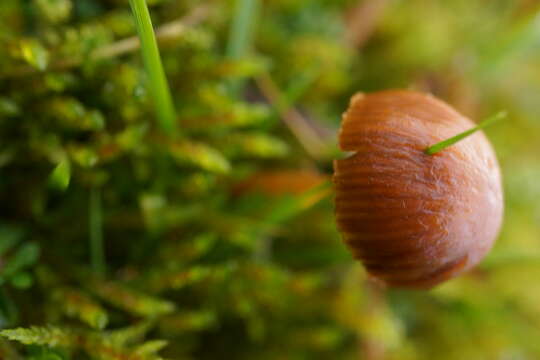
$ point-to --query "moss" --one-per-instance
(221, 273)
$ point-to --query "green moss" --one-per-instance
(200, 263)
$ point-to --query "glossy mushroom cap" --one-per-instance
(414, 220)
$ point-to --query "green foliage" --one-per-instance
(34, 54)
(17, 259)
(131, 301)
(50, 336)
(121, 238)
(200, 155)
(76, 304)
(102, 346)
(60, 176)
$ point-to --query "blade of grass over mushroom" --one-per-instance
(97, 256)
(449, 142)
(241, 34)
(159, 87)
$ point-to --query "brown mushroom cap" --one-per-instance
(415, 220)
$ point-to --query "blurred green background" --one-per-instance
(119, 240)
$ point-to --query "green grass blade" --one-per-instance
(159, 87)
(449, 142)
(241, 33)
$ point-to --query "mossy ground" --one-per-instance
(218, 244)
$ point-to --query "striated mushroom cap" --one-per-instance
(412, 219)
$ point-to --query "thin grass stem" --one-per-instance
(241, 34)
(159, 87)
(432, 150)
